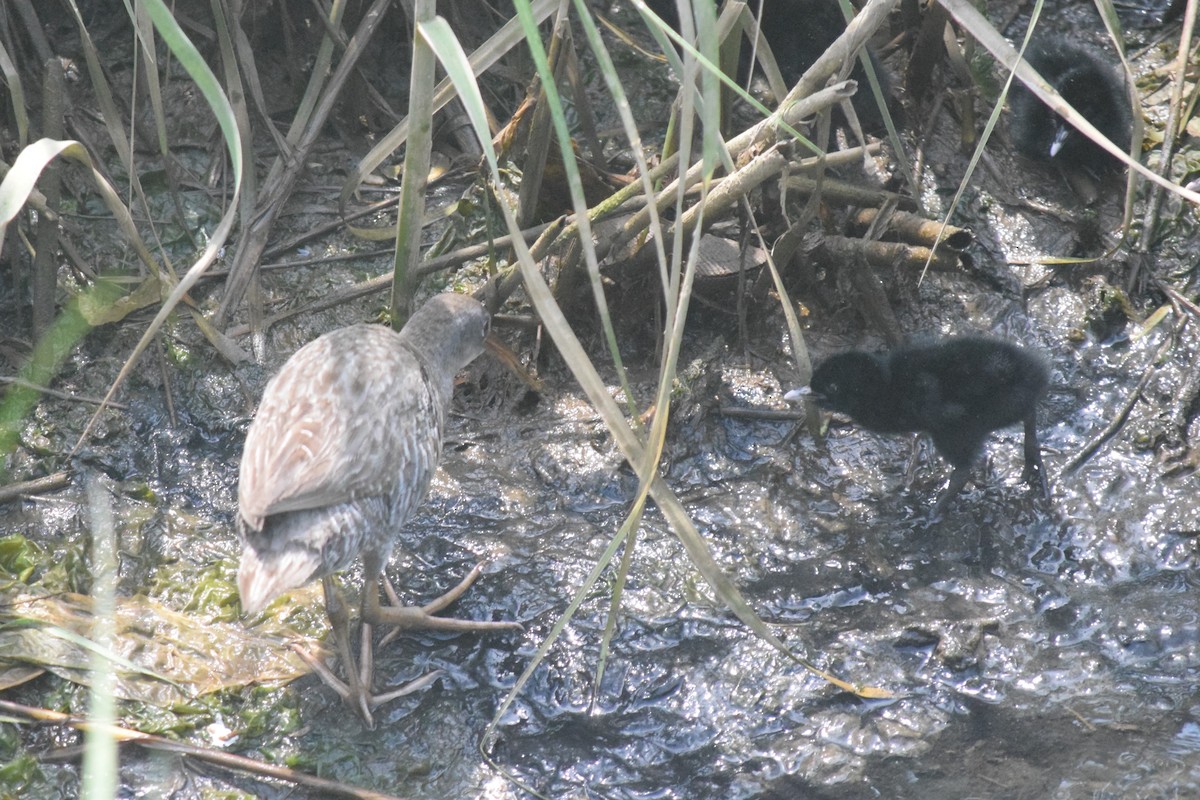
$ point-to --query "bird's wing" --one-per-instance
(339, 421)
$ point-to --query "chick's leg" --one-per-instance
(1035, 471)
(958, 479)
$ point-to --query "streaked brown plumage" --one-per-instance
(340, 455)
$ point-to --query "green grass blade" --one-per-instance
(455, 63)
(191, 60)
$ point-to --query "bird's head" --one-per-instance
(843, 381)
(449, 330)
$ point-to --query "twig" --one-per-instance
(762, 413)
(844, 250)
(846, 194)
(48, 483)
(915, 229)
(1184, 302)
(282, 180)
(218, 757)
(78, 398)
(1118, 422)
(382, 282)
(1170, 130)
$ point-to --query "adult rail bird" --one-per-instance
(958, 390)
(339, 456)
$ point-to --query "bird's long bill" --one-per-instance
(795, 395)
(504, 354)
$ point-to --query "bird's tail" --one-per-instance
(262, 575)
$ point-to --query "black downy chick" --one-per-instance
(958, 391)
(799, 32)
(1092, 86)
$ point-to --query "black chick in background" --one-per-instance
(799, 32)
(958, 390)
(1092, 86)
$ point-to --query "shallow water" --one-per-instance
(1046, 650)
(1038, 651)
(1033, 649)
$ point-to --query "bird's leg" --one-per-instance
(910, 467)
(1035, 470)
(404, 617)
(356, 693)
(958, 479)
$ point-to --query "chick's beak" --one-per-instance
(1060, 138)
(796, 395)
